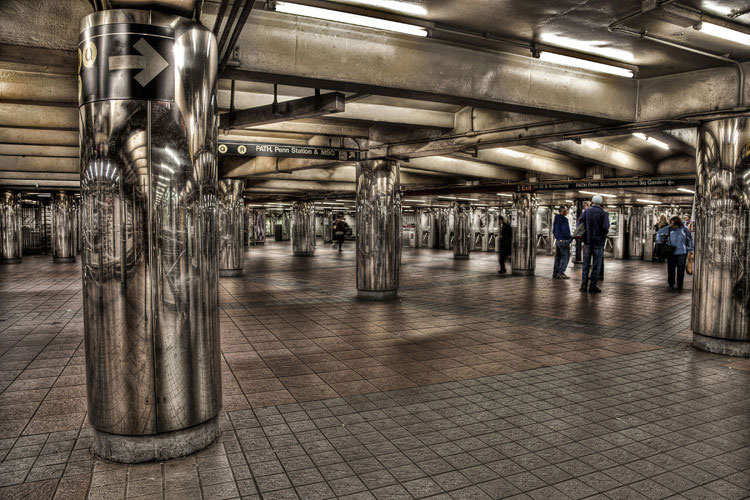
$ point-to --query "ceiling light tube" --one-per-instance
(575, 62)
(600, 194)
(505, 194)
(347, 18)
(655, 142)
(415, 201)
(395, 5)
(685, 190)
(722, 32)
(650, 202)
(468, 199)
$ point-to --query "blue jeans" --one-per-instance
(562, 257)
(595, 253)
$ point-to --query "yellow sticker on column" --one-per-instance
(89, 54)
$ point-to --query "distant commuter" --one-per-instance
(340, 229)
(680, 242)
(563, 238)
(661, 224)
(506, 243)
(596, 224)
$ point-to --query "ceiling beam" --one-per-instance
(603, 154)
(295, 109)
(460, 167)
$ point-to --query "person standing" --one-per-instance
(340, 228)
(679, 237)
(561, 232)
(661, 224)
(596, 224)
(506, 243)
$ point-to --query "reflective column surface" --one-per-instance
(327, 226)
(286, 225)
(636, 232)
(461, 230)
(303, 228)
(63, 228)
(523, 256)
(378, 229)
(231, 246)
(419, 233)
(259, 226)
(150, 257)
(10, 228)
(721, 280)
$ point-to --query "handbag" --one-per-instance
(690, 263)
(663, 249)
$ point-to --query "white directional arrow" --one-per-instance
(150, 62)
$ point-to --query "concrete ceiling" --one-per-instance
(467, 104)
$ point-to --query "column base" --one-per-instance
(154, 447)
(10, 261)
(522, 272)
(304, 254)
(725, 347)
(640, 257)
(228, 273)
(461, 257)
(60, 260)
(377, 294)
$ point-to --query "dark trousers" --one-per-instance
(676, 263)
(340, 239)
(504, 256)
(562, 257)
(592, 263)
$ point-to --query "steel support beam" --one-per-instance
(305, 107)
(603, 154)
(460, 167)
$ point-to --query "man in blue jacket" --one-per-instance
(561, 232)
(596, 222)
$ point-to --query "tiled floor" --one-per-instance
(470, 386)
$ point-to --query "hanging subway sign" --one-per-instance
(126, 61)
(287, 151)
(625, 183)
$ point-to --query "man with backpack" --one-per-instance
(595, 228)
(674, 243)
(340, 229)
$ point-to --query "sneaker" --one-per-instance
(564, 276)
(555, 276)
(594, 289)
(502, 271)
(583, 289)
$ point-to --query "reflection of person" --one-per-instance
(561, 232)
(340, 228)
(681, 239)
(596, 223)
(506, 243)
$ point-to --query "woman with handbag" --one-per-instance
(674, 243)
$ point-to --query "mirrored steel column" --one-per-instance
(63, 228)
(259, 226)
(523, 256)
(286, 225)
(230, 227)
(636, 232)
(150, 243)
(418, 231)
(327, 226)
(303, 228)
(10, 228)
(378, 229)
(721, 281)
(461, 231)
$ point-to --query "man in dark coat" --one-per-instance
(596, 222)
(506, 243)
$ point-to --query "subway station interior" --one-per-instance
(257, 249)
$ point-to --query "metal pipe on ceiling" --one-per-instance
(228, 26)
(239, 26)
(220, 16)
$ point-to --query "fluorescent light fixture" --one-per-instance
(446, 197)
(569, 201)
(347, 18)
(412, 9)
(574, 62)
(651, 202)
(655, 142)
(725, 33)
(600, 194)
(346, 201)
(415, 201)
(597, 47)
(685, 190)
(505, 194)
(468, 199)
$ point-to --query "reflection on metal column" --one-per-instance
(231, 247)
(303, 228)
(636, 232)
(10, 228)
(461, 231)
(523, 257)
(259, 226)
(327, 226)
(378, 229)
(149, 230)
(721, 283)
(63, 228)
(418, 231)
